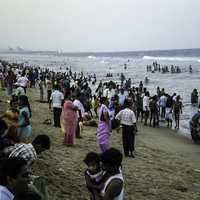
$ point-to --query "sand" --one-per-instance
(167, 165)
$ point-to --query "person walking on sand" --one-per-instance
(128, 121)
(104, 126)
(68, 121)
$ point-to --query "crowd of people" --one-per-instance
(74, 104)
(156, 67)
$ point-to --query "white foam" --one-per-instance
(92, 57)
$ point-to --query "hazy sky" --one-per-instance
(99, 25)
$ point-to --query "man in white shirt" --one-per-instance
(57, 100)
(146, 107)
(128, 121)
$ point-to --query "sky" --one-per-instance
(99, 25)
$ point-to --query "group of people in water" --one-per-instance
(156, 67)
(74, 104)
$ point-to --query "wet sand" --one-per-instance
(167, 165)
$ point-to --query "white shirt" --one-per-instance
(163, 101)
(126, 117)
(110, 93)
(57, 97)
(122, 98)
(5, 194)
(79, 105)
(117, 176)
(146, 103)
(23, 81)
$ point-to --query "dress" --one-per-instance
(68, 122)
(103, 130)
(24, 131)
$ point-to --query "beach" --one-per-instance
(166, 166)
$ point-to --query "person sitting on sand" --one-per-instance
(93, 173)
(14, 177)
(29, 151)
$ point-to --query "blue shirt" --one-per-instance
(5, 194)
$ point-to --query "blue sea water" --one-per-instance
(113, 62)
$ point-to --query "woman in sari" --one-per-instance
(68, 122)
(104, 126)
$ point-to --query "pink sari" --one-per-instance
(68, 121)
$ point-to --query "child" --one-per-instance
(93, 174)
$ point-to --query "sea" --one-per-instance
(136, 63)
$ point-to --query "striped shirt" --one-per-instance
(26, 151)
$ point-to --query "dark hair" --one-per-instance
(91, 157)
(25, 101)
(28, 195)
(10, 167)
(42, 140)
(112, 156)
(103, 100)
(127, 103)
(3, 125)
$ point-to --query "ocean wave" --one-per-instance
(171, 58)
(92, 57)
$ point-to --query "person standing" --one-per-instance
(146, 107)
(104, 126)
(49, 88)
(68, 122)
(128, 121)
(177, 108)
(23, 81)
(24, 128)
(10, 78)
(162, 104)
(57, 100)
(194, 97)
(80, 112)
